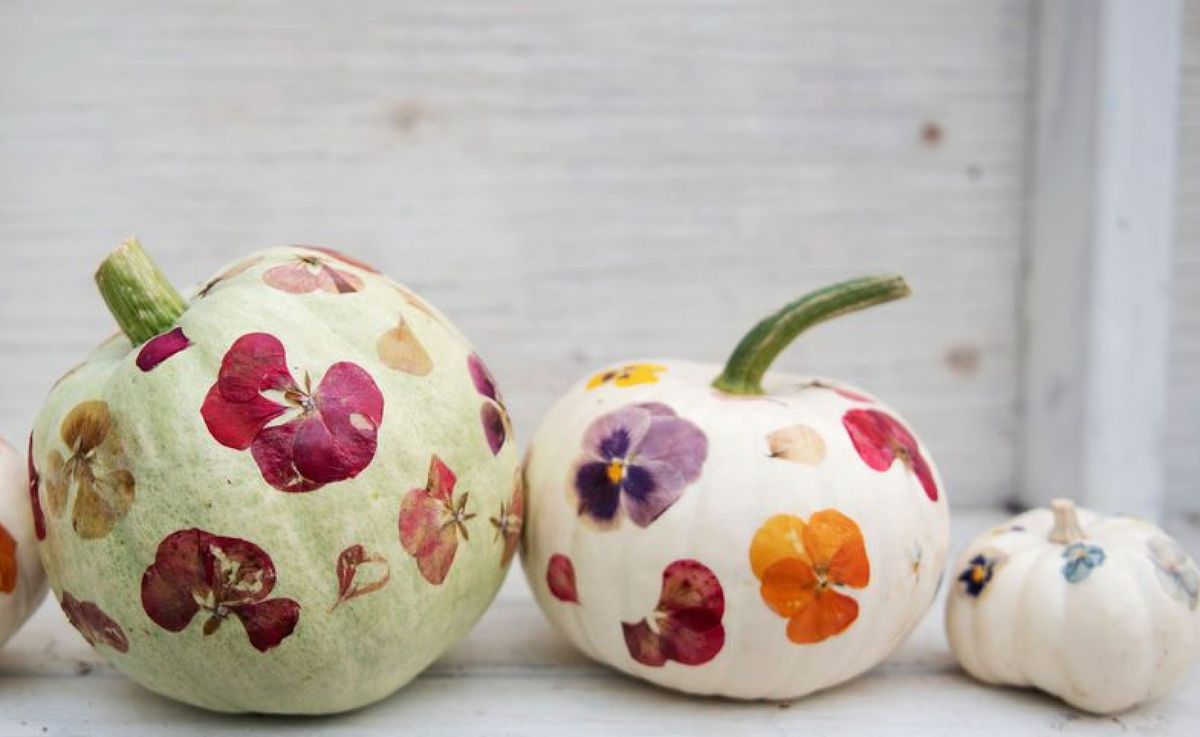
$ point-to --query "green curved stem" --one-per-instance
(137, 293)
(754, 354)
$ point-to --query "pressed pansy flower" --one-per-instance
(639, 458)
(360, 572)
(431, 521)
(301, 437)
(198, 572)
(978, 573)
(880, 439)
(560, 578)
(160, 348)
(399, 349)
(508, 522)
(95, 626)
(1175, 569)
(803, 564)
(94, 468)
(496, 425)
(631, 374)
(35, 503)
(307, 273)
(237, 269)
(798, 444)
(686, 624)
(1081, 559)
(8, 561)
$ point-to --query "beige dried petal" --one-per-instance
(102, 502)
(399, 349)
(797, 443)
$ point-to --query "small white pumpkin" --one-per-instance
(717, 537)
(22, 582)
(1098, 611)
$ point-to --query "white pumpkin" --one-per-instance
(22, 582)
(719, 538)
(1099, 611)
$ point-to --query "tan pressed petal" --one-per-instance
(86, 426)
(56, 482)
(399, 349)
(797, 443)
(102, 503)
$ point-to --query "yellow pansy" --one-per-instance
(630, 374)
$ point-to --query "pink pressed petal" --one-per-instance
(494, 427)
(644, 644)
(294, 278)
(423, 535)
(267, 623)
(160, 348)
(440, 481)
(338, 282)
(924, 474)
(91, 622)
(560, 578)
(167, 585)
(350, 562)
(349, 260)
(692, 636)
(235, 409)
(39, 519)
(688, 584)
(350, 406)
(274, 453)
(482, 378)
(870, 438)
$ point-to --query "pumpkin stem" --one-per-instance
(1066, 528)
(138, 293)
(757, 350)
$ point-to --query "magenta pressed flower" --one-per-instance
(196, 571)
(639, 458)
(880, 439)
(160, 348)
(493, 415)
(560, 578)
(301, 437)
(95, 626)
(431, 520)
(687, 621)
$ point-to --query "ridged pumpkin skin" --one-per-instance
(1104, 623)
(681, 599)
(22, 582)
(173, 582)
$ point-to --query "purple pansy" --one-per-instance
(640, 458)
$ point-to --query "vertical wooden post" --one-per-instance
(1098, 254)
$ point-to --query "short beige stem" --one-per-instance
(1066, 528)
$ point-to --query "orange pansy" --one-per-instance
(800, 564)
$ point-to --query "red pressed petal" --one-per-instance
(337, 281)
(690, 585)
(423, 535)
(91, 622)
(924, 474)
(267, 623)
(870, 437)
(8, 561)
(250, 575)
(692, 636)
(441, 480)
(160, 348)
(350, 260)
(644, 644)
(560, 579)
(349, 563)
(350, 408)
(482, 378)
(274, 452)
(39, 519)
(179, 568)
(235, 409)
(294, 278)
(495, 428)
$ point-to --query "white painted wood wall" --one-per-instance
(573, 183)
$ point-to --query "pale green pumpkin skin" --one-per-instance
(336, 658)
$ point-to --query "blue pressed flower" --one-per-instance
(977, 574)
(1081, 559)
(638, 458)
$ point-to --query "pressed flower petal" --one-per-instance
(235, 409)
(236, 270)
(599, 497)
(614, 434)
(84, 427)
(274, 452)
(879, 438)
(426, 530)
(91, 622)
(482, 378)
(675, 443)
(268, 622)
(360, 573)
(644, 644)
(440, 480)
(690, 607)
(58, 483)
(101, 502)
(797, 443)
(348, 260)
(160, 348)
(828, 614)
(495, 426)
(780, 537)
(689, 584)
(692, 636)
(560, 578)
(8, 561)
(835, 542)
(788, 586)
(400, 349)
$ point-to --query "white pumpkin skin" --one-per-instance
(1122, 633)
(619, 569)
(342, 652)
(22, 582)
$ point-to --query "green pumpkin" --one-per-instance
(288, 494)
